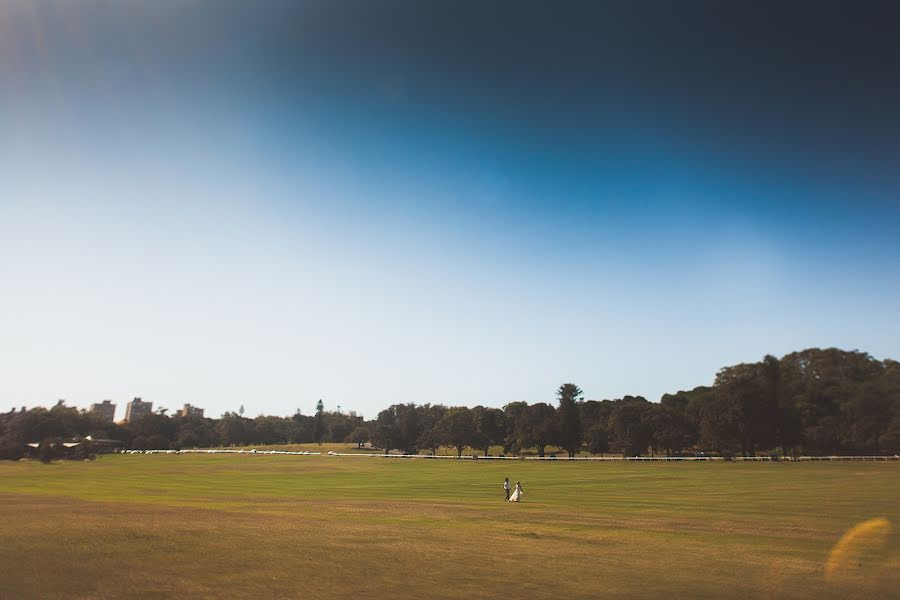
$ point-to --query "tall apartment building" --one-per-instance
(137, 408)
(106, 410)
(190, 411)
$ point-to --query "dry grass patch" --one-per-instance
(266, 527)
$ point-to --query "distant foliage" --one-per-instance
(812, 402)
(570, 430)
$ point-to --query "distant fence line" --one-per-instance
(224, 451)
(895, 458)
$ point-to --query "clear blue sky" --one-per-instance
(265, 204)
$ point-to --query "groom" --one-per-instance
(506, 488)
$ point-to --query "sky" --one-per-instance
(267, 203)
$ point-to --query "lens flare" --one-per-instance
(860, 542)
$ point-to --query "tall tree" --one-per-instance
(301, 428)
(429, 435)
(231, 429)
(319, 422)
(743, 386)
(513, 413)
(570, 438)
(687, 405)
(821, 384)
(720, 424)
(867, 416)
(630, 426)
(537, 427)
(408, 427)
(360, 436)
(457, 428)
(595, 424)
(669, 429)
(386, 434)
(598, 440)
(889, 441)
(780, 405)
(490, 428)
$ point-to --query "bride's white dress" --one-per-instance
(516, 495)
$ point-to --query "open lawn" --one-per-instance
(198, 526)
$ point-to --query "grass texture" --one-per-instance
(225, 526)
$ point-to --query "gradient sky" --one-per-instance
(267, 203)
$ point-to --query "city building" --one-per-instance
(190, 411)
(106, 410)
(137, 408)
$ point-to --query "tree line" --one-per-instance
(815, 402)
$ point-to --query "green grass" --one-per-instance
(219, 526)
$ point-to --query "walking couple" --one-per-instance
(517, 494)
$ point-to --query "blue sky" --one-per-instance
(226, 204)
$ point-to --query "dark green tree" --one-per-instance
(429, 435)
(781, 406)
(513, 413)
(386, 433)
(669, 429)
(360, 436)
(537, 427)
(595, 424)
(570, 439)
(629, 425)
(490, 428)
(318, 430)
(408, 427)
(598, 440)
(457, 428)
(742, 393)
(233, 430)
(301, 428)
(821, 384)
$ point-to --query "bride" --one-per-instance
(517, 494)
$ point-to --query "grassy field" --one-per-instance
(197, 526)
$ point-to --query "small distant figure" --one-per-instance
(506, 488)
(517, 493)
